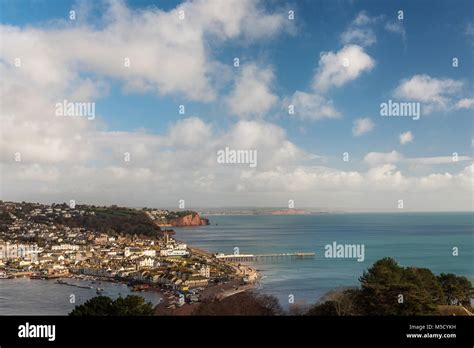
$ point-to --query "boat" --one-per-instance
(83, 286)
(99, 291)
(4, 275)
(38, 276)
(140, 287)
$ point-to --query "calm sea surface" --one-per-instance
(24, 296)
(415, 239)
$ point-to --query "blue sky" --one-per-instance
(294, 57)
(424, 44)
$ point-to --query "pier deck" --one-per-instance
(252, 257)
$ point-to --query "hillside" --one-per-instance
(115, 220)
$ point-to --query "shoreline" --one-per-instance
(168, 298)
(240, 269)
(25, 296)
(217, 291)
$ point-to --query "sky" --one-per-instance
(168, 96)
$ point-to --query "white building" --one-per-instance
(132, 251)
(173, 252)
(205, 271)
(65, 247)
(149, 252)
(146, 262)
(14, 251)
(181, 246)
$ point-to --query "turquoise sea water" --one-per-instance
(413, 239)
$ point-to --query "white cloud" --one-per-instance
(465, 103)
(337, 68)
(469, 32)
(338, 188)
(175, 169)
(406, 137)
(252, 95)
(75, 62)
(376, 158)
(362, 126)
(396, 27)
(189, 132)
(312, 106)
(363, 18)
(437, 160)
(167, 55)
(269, 140)
(36, 172)
(67, 158)
(434, 94)
(363, 37)
(359, 31)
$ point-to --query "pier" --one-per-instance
(258, 257)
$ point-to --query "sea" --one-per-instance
(442, 242)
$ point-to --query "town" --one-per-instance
(113, 244)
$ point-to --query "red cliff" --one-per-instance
(189, 220)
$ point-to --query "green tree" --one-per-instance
(388, 289)
(380, 286)
(99, 305)
(456, 289)
(105, 306)
(421, 292)
(132, 305)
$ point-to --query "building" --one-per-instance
(65, 247)
(196, 281)
(128, 251)
(173, 252)
(149, 252)
(205, 271)
(180, 246)
(10, 251)
(146, 262)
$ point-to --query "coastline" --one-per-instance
(179, 281)
(314, 278)
(217, 291)
(240, 269)
(25, 296)
(166, 305)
